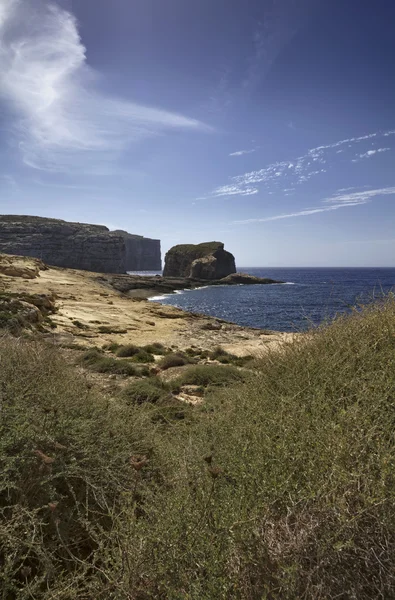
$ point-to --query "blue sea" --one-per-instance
(309, 297)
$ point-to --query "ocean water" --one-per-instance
(310, 296)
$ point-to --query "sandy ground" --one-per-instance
(85, 305)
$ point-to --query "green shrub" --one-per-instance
(125, 351)
(143, 357)
(225, 357)
(149, 390)
(112, 347)
(66, 478)
(95, 360)
(216, 375)
(173, 360)
(155, 348)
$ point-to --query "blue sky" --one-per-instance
(267, 124)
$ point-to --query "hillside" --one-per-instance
(278, 484)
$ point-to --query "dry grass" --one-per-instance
(278, 488)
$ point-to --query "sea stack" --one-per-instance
(207, 261)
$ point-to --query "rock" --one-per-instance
(78, 245)
(207, 261)
(17, 266)
(245, 279)
(211, 326)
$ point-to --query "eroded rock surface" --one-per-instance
(78, 245)
(207, 261)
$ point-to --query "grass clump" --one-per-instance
(112, 347)
(155, 348)
(213, 375)
(150, 390)
(95, 360)
(224, 357)
(127, 350)
(173, 359)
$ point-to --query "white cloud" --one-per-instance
(336, 202)
(370, 153)
(241, 152)
(361, 197)
(234, 190)
(61, 121)
(289, 173)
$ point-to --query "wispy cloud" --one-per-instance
(62, 122)
(241, 152)
(370, 153)
(339, 200)
(298, 171)
(234, 190)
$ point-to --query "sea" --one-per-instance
(309, 297)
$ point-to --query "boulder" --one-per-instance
(206, 261)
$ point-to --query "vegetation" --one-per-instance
(279, 487)
(174, 359)
(151, 390)
(110, 329)
(125, 351)
(224, 357)
(211, 375)
(95, 360)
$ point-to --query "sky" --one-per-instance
(266, 124)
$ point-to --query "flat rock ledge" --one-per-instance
(142, 286)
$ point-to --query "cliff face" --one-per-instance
(78, 245)
(201, 261)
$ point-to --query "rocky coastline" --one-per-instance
(148, 286)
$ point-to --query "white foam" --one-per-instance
(154, 298)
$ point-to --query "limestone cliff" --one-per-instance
(78, 245)
(201, 261)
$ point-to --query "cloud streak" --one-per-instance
(298, 171)
(339, 200)
(61, 121)
(241, 152)
(370, 153)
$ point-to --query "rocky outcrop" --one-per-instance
(78, 245)
(150, 286)
(207, 261)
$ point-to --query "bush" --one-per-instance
(67, 478)
(173, 360)
(225, 357)
(125, 351)
(143, 357)
(95, 360)
(155, 348)
(149, 390)
(112, 347)
(215, 375)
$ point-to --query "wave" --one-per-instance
(157, 298)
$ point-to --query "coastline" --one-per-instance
(97, 309)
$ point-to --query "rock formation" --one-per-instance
(78, 245)
(208, 261)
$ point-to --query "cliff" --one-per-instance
(78, 245)
(207, 261)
